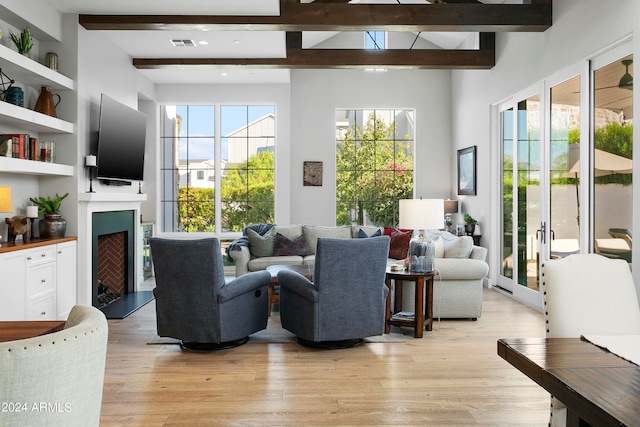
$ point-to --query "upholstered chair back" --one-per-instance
(189, 275)
(61, 373)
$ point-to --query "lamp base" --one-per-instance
(421, 253)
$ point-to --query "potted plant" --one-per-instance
(469, 224)
(23, 42)
(53, 225)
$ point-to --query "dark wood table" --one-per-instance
(422, 316)
(11, 331)
(274, 296)
(598, 387)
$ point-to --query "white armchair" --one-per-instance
(587, 294)
(56, 378)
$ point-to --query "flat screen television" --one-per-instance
(121, 141)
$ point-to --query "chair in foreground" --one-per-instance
(193, 302)
(587, 294)
(346, 301)
(56, 379)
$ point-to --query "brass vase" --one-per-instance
(52, 226)
(45, 103)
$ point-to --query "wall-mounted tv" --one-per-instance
(121, 140)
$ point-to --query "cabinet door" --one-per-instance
(13, 284)
(66, 282)
(42, 309)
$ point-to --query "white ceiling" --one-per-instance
(220, 44)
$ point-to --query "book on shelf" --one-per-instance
(19, 144)
(24, 146)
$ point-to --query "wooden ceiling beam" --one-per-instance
(318, 16)
(298, 58)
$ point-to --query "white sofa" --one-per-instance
(461, 265)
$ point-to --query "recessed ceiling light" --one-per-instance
(236, 41)
(224, 74)
(203, 42)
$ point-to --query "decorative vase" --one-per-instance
(52, 226)
(14, 95)
(45, 104)
(469, 229)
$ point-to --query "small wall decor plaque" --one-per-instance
(312, 174)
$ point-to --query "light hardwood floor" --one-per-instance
(451, 377)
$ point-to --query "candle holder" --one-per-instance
(90, 164)
(32, 214)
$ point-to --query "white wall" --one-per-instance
(316, 94)
(580, 30)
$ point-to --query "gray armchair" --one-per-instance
(193, 302)
(346, 300)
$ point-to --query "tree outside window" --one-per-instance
(374, 165)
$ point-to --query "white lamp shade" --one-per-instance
(422, 214)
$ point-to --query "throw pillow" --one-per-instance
(261, 246)
(399, 246)
(439, 244)
(458, 248)
(363, 234)
(286, 246)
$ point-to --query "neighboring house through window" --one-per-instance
(237, 154)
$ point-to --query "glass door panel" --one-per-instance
(528, 192)
(611, 159)
(564, 165)
(508, 261)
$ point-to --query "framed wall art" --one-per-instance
(312, 174)
(467, 171)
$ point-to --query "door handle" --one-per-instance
(541, 233)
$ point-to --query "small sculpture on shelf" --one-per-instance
(18, 225)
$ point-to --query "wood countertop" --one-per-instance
(11, 247)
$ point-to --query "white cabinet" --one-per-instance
(66, 280)
(38, 283)
(13, 280)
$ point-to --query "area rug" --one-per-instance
(275, 334)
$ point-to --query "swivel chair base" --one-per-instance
(330, 345)
(212, 346)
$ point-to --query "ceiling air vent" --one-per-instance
(182, 43)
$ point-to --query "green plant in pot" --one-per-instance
(23, 41)
(469, 224)
(52, 225)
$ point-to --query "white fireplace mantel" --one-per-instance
(102, 202)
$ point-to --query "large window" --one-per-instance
(217, 177)
(374, 165)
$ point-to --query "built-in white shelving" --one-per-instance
(32, 120)
(33, 167)
(29, 73)
(26, 71)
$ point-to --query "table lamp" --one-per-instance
(5, 201)
(421, 215)
(450, 207)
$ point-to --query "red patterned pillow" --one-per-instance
(399, 247)
(285, 246)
